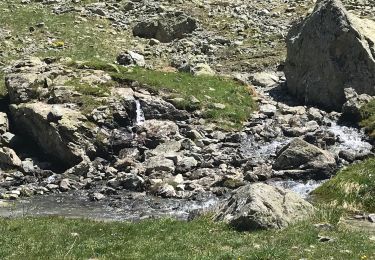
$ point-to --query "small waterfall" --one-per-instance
(140, 117)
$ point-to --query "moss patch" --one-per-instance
(368, 118)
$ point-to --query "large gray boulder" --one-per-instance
(64, 140)
(329, 51)
(303, 160)
(166, 28)
(261, 206)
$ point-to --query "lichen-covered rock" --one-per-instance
(166, 28)
(351, 110)
(261, 206)
(305, 159)
(63, 140)
(329, 51)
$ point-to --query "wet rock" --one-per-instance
(131, 58)
(323, 55)
(132, 182)
(261, 206)
(348, 156)
(96, 196)
(154, 132)
(166, 28)
(165, 191)
(10, 140)
(300, 155)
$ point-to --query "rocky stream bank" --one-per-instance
(79, 140)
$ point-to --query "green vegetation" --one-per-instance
(352, 188)
(209, 90)
(91, 96)
(63, 35)
(368, 118)
(58, 238)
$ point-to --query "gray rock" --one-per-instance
(300, 155)
(4, 123)
(351, 110)
(160, 164)
(323, 56)
(63, 141)
(166, 28)
(165, 191)
(202, 69)
(132, 182)
(64, 185)
(261, 206)
(264, 79)
(96, 196)
(9, 157)
(267, 109)
(131, 58)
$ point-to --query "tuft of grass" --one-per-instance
(209, 90)
(25, 238)
(352, 188)
(92, 96)
(368, 118)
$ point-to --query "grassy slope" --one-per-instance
(353, 187)
(207, 89)
(66, 35)
(57, 238)
(368, 118)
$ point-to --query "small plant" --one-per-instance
(58, 44)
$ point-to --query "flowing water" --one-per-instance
(140, 117)
(136, 206)
(131, 206)
(303, 188)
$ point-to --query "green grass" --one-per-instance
(209, 90)
(368, 118)
(352, 188)
(64, 35)
(91, 96)
(58, 238)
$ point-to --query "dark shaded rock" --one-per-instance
(166, 28)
